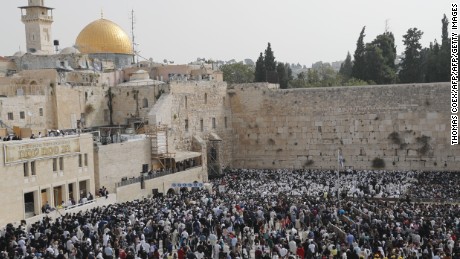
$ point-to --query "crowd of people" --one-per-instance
(261, 214)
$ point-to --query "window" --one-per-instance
(185, 102)
(201, 125)
(145, 103)
(22, 115)
(86, 159)
(26, 169)
(40, 111)
(186, 125)
(54, 164)
(80, 160)
(225, 122)
(205, 98)
(32, 168)
(213, 123)
(61, 164)
(10, 116)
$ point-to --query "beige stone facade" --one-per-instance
(118, 160)
(407, 126)
(196, 109)
(36, 171)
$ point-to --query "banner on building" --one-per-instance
(40, 149)
(180, 185)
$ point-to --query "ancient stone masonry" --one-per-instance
(405, 125)
(199, 109)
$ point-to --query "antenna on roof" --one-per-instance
(132, 34)
(102, 14)
(387, 25)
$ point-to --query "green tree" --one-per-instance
(444, 55)
(284, 74)
(260, 74)
(270, 66)
(300, 81)
(237, 73)
(411, 64)
(386, 42)
(380, 58)
(269, 59)
(430, 63)
(359, 64)
(346, 67)
(354, 82)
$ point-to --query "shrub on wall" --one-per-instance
(395, 138)
(309, 162)
(378, 163)
(89, 108)
(425, 145)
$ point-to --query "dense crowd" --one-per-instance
(261, 214)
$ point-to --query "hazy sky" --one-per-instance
(300, 31)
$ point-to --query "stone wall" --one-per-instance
(131, 100)
(193, 102)
(118, 160)
(405, 125)
(163, 184)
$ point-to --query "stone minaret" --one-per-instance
(38, 19)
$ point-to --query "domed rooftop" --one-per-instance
(69, 50)
(19, 54)
(103, 36)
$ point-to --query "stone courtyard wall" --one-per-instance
(408, 126)
(195, 102)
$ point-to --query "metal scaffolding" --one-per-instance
(160, 152)
(214, 168)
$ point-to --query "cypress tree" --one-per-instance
(411, 65)
(346, 67)
(359, 65)
(260, 74)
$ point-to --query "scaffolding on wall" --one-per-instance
(214, 167)
(161, 156)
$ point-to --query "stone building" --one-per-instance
(44, 170)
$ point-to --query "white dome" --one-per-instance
(19, 54)
(69, 50)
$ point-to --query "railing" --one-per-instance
(36, 17)
(78, 204)
(418, 200)
(128, 181)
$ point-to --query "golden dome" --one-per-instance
(103, 36)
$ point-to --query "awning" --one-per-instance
(214, 137)
(184, 155)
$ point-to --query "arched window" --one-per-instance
(145, 103)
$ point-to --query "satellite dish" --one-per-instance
(165, 61)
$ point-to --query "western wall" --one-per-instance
(408, 126)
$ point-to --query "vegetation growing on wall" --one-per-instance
(425, 147)
(378, 163)
(89, 108)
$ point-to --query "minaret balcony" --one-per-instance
(30, 18)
